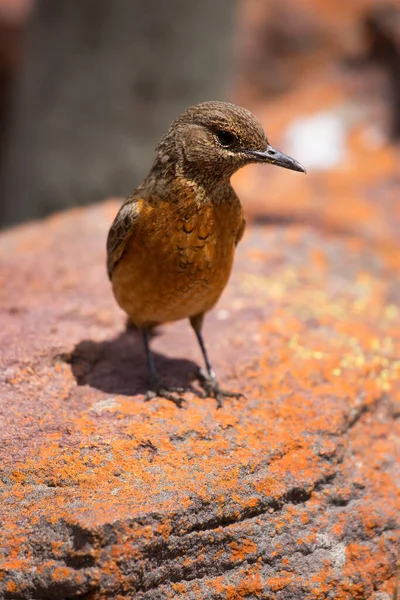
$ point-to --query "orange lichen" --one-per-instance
(240, 551)
(11, 587)
(180, 588)
(280, 581)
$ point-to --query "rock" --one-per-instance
(290, 493)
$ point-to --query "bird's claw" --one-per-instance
(169, 393)
(212, 389)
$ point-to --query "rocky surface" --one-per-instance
(290, 493)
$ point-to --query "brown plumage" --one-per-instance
(171, 246)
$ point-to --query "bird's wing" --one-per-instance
(240, 232)
(121, 231)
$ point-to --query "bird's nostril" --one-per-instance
(271, 151)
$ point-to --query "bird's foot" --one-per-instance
(212, 389)
(173, 394)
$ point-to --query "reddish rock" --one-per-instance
(291, 493)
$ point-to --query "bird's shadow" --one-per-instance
(118, 366)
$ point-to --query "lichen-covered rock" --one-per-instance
(290, 493)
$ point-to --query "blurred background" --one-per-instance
(87, 88)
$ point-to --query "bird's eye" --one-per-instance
(225, 138)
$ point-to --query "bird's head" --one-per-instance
(212, 140)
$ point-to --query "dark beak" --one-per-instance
(274, 157)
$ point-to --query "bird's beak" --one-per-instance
(275, 157)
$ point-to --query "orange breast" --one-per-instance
(178, 260)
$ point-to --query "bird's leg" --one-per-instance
(158, 388)
(209, 380)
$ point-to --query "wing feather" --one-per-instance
(121, 231)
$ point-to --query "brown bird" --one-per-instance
(171, 246)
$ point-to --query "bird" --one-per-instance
(171, 247)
